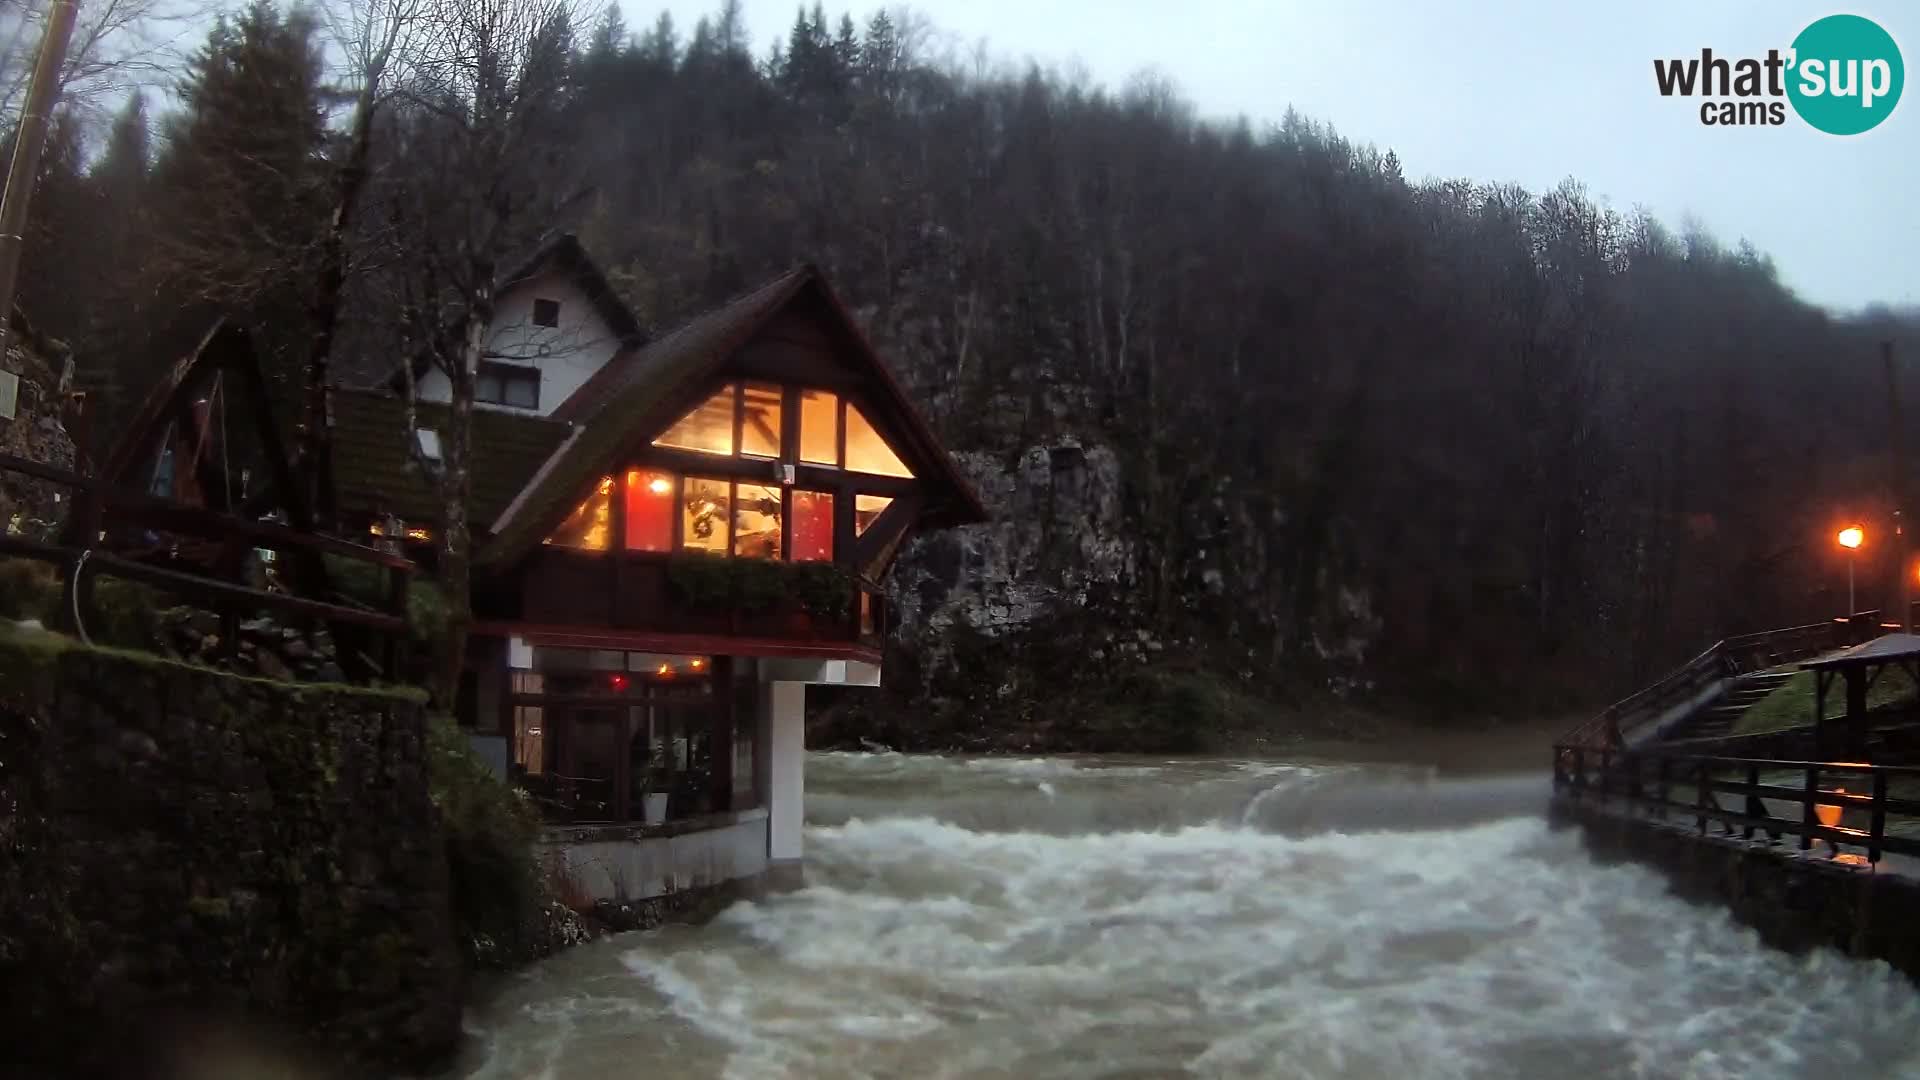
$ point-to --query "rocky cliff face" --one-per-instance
(35, 432)
(1056, 544)
(1043, 629)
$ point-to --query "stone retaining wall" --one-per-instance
(189, 858)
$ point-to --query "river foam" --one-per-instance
(945, 941)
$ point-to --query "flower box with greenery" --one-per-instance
(801, 599)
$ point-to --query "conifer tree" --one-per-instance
(240, 195)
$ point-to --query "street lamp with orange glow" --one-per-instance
(1851, 538)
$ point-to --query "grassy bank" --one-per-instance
(1792, 704)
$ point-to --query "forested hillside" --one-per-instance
(1249, 400)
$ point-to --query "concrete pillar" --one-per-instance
(785, 707)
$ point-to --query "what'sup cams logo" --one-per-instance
(1843, 75)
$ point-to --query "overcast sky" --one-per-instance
(1502, 90)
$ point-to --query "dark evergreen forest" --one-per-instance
(1518, 442)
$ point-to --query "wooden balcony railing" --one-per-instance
(103, 516)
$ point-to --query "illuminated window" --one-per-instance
(704, 512)
(867, 623)
(590, 526)
(756, 522)
(760, 421)
(708, 428)
(865, 509)
(819, 427)
(529, 738)
(649, 510)
(867, 452)
(812, 526)
(529, 728)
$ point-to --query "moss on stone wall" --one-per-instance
(500, 909)
(185, 848)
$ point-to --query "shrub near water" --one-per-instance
(498, 897)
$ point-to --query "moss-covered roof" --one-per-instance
(373, 472)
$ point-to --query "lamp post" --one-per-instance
(1851, 538)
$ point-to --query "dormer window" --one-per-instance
(546, 312)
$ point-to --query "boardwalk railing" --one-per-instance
(1621, 723)
(1882, 802)
(100, 509)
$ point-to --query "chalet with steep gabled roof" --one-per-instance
(672, 539)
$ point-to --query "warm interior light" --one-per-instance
(419, 534)
(660, 485)
(698, 663)
(1852, 536)
(606, 485)
(1829, 815)
(666, 671)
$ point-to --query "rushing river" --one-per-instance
(1130, 918)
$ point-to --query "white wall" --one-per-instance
(643, 867)
(578, 347)
(785, 706)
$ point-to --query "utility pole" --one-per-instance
(1897, 452)
(29, 140)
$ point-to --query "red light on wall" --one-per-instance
(618, 682)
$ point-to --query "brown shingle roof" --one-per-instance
(374, 474)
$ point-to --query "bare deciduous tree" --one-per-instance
(478, 173)
(117, 46)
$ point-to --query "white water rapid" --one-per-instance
(1106, 918)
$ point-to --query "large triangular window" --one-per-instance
(590, 526)
(708, 428)
(867, 452)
